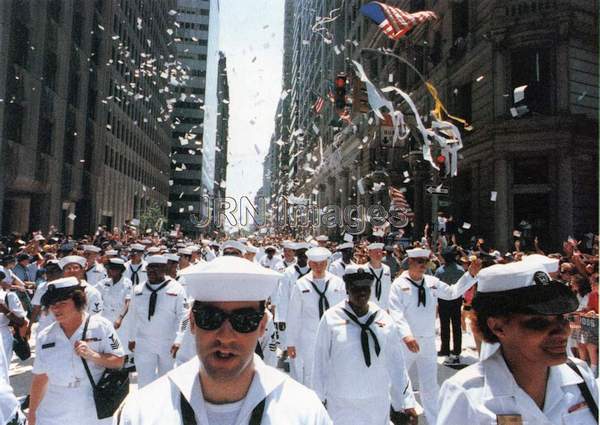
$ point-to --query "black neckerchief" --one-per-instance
(323, 301)
(188, 417)
(135, 279)
(364, 335)
(300, 274)
(153, 296)
(421, 288)
(377, 282)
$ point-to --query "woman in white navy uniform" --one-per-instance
(226, 383)
(11, 310)
(61, 392)
(529, 379)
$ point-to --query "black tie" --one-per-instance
(377, 283)
(153, 296)
(135, 279)
(364, 335)
(421, 289)
(300, 274)
(323, 302)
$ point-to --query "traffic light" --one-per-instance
(440, 160)
(360, 98)
(339, 93)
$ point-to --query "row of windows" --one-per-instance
(122, 164)
(200, 42)
(194, 11)
(193, 56)
(193, 26)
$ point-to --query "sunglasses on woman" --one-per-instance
(244, 320)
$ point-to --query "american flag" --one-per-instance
(394, 22)
(398, 201)
(318, 105)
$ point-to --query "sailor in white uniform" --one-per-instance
(529, 379)
(311, 296)
(359, 368)
(10, 408)
(338, 266)
(94, 271)
(135, 268)
(74, 266)
(413, 302)
(288, 259)
(157, 310)
(116, 293)
(270, 260)
(61, 392)
(226, 383)
(380, 293)
(40, 314)
(11, 310)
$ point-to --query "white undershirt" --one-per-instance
(223, 414)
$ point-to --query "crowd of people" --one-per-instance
(344, 319)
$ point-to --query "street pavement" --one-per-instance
(20, 372)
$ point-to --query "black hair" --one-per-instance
(584, 286)
(77, 295)
(486, 308)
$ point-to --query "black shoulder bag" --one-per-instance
(585, 391)
(20, 344)
(111, 389)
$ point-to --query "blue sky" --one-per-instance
(251, 35)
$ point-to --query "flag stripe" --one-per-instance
(399, 22)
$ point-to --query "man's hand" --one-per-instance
(291, 352)
(131, 346)
(117, 323)
(412, 413)
(174, 350)
(474, 267)
(411, 343)
(82, 349)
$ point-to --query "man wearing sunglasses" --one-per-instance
(529, 379)
(413, 302)
(226, 383)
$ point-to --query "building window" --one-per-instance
(462, 102)
(532, 67)
(530, 171)
(460, 20)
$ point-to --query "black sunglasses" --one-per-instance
(244, 320)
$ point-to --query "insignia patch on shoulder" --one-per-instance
(171, 294)
(405, 289)
(304, 291)
(48, 345)
(114, 343)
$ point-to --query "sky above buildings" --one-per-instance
(251, 35)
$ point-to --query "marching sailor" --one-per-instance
(95, 271)
(380, 293)
(338, 266)
(135, 269)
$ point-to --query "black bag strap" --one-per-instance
(85, 365)
(188, 417)
(585, 391)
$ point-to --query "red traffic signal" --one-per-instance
(340, 91)
(440, 159)
(340, 80)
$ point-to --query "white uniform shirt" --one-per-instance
(303, 311)
(340, 370)
(338, 267)
(12, 302)
(269, 263)
(95, 274)
(94, 299)
(478, 393)
(287, 402)
(282, 265)
(114, 296)
(68, 398)
(284, 290)
(383, 279)
(131, 270)
(46, 317)
(419, 320)
(159, 333)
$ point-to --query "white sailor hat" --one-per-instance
(550, 265)
(91, 248)
(322, 238)
(146, 241)
(270, 247)
(357, 276)
(153, 250)
(418, 253)
(318, 254)
(230, 278)
(345, 245)
(301, 245)
(243, 240)
(251, 248)
(116, 262)
(137, 247)
(185, 251)
(172, 257)
(59, 289)
(523, 287)
(375, 245)
(156, 259)
(288, 245)
(162, 247)
(39, 238)
(194, 248)
(111, 252)
(235, 245)
(72, 259)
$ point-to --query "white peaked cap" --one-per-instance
(64, 282)
(118, 261)
(318, 254)
(504, 277)
(185, 251)
(156, 259)
(230, 278)
(322, 238)
(111, 252)
(153, 250)
(172, 257)
(137, 247)
(375, 245)
(418, 253)
(288, 245)
(70, 259)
